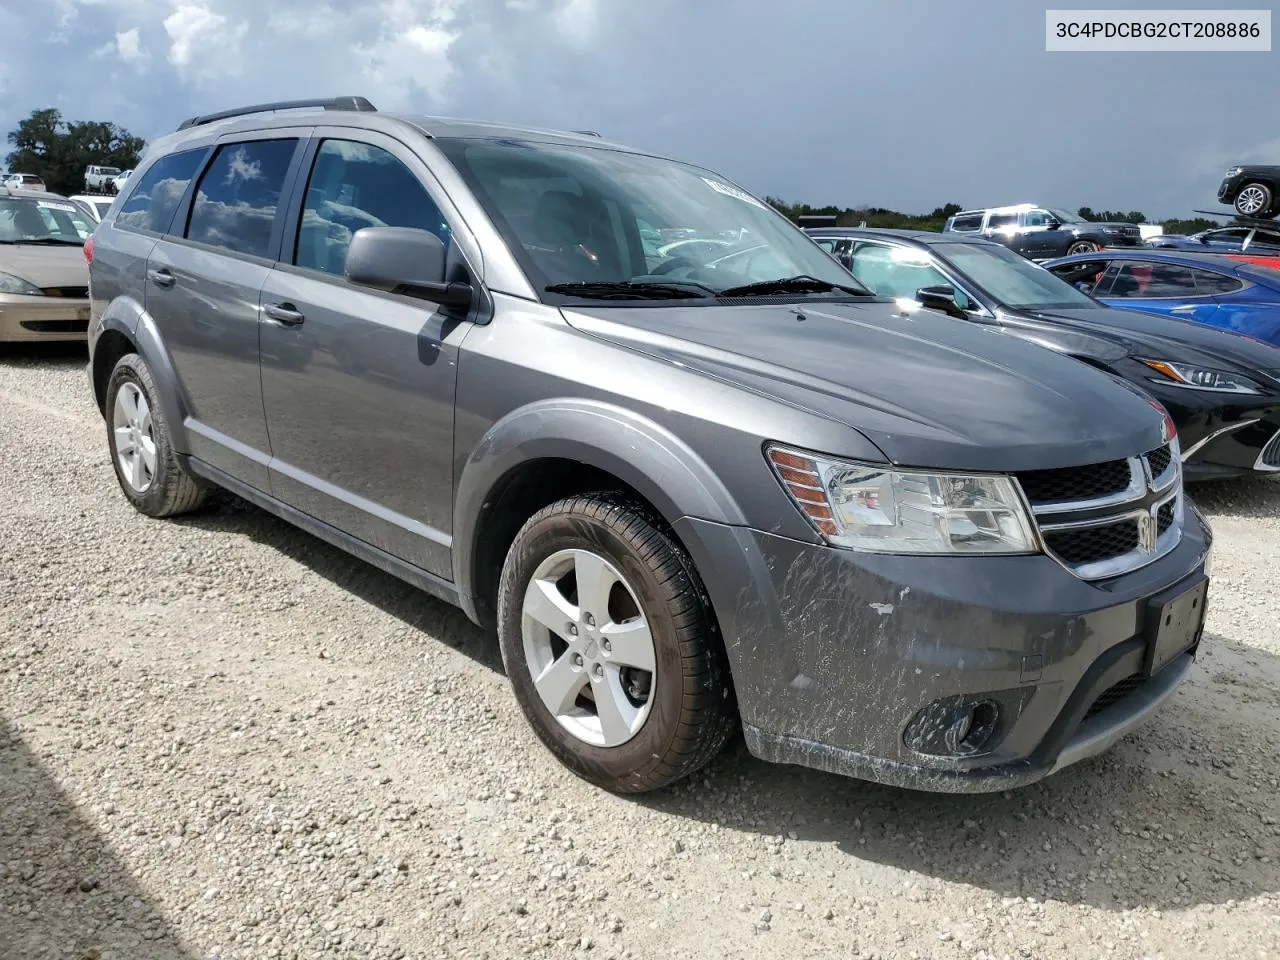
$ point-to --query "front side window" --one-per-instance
(156, 194)
(354, 185)
(1037, 218)
(1156, 281)
(1230, 235)
(47, 222)
(236, 202)
(1011, 279)
(581, 214)
(1265, 241)
(893, 271)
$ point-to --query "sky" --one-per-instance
(906, 104)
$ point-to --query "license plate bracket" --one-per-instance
(1174, 620)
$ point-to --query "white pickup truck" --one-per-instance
(99, 179)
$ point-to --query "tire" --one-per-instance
(689, 713)
(1254, 200)
(1082, 246)
(162, 488)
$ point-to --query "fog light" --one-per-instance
(953, 727)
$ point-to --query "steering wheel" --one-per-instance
(675, 263)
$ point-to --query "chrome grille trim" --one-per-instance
(1138, 504)
(1269, 459)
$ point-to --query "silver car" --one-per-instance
(44, 279)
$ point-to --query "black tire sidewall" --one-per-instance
(133, 369)
(1266, 207)
(613, 767)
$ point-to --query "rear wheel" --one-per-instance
(141, 447)
(1083, 246)
(1254, 200)
(611, 646)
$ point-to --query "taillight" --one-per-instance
(88, 250)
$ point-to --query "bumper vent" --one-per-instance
(1115, 693)
(1269, 458)
(1104, 519)
(67, 293)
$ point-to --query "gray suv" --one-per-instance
(695, 488)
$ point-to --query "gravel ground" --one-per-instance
(220, 738)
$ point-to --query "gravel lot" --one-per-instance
(220, 738)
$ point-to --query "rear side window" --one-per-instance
(1208, 283)
(354, 185)
(999, 220)
(967, 223)
(236, 202)
(1153, 281)
(156, 194)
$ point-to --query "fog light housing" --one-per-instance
(954, 727)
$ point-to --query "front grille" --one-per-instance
(67, 293)
(1115, 693)
(1088, 482)
(1094, 544)
(1165, 517)
(1159, 460)
(1270, 456)
(56, 326)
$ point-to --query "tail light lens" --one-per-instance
(88, 250)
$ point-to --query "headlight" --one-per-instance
(11, 284)
(1234, 171)
(1112, 229)
(1200, 378)
(883, 510)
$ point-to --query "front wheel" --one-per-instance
(1253, 200)
(611, 647)
(1083, 246)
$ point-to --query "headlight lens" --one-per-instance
(11, 284)
(1233, 171)
(877, 509)
(1202, 378)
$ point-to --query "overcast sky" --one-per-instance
(905, 104)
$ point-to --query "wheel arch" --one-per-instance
(127, 328)
(557, 448)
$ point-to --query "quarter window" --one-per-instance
(1153, 281)
(354, 185)
(967, 223)
(236, 203)
(1208, 283)
(154, 199)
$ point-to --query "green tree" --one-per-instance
(57, 150)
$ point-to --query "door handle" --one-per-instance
(161, 277)
(285, 313)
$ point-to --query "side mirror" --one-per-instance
(846, 260)
(403, 260)
(1052, 224)
(941, 297)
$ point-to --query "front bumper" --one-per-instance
(835, 654)
(42, 318)
(1229, 187)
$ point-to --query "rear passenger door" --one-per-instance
(203, 279)
(358, 385)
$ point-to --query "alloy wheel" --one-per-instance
(588, 647)
(135, 441)
(1251, 200)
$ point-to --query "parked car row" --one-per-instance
(1039, 233)
(698, 475)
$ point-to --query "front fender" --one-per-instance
(128, 317)
(643, 454)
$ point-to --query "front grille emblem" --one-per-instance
(1147, 532)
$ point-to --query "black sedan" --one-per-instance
(1222, 389)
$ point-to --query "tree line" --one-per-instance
(58, 150)
(882, 218)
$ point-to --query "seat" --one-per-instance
(572, 238)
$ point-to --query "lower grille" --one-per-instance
(56, 326)
(67, 293)
(1094, 544)
(1115, 693)
(1270, 456)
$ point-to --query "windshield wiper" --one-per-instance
(799, 284)
(628, 290)
(50, 241)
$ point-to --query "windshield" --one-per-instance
(25, 220)
(591, 215)
(1011, 279)
(1062, 216)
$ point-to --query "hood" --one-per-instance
(60, 266)
(928, 390)
(1169, 338)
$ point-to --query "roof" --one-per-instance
(29, 194)
(1219, 261)
(921, 237)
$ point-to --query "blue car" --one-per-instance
(1263, 241)
(1205, 288)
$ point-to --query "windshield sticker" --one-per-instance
(734, 192)
(50, 205)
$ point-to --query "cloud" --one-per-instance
(129, 46)
(203, 44)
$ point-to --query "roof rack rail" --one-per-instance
(586, 133)
(357, 104)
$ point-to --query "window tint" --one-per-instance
(826, 244)
(1213, 283)
(1264, 241)
(1228, 235)
(891, 271)
(998, 220)
(1037, 218)
(967, 223)
(1153, 280)
(157, 193)
(235, 204)
(354, 185)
